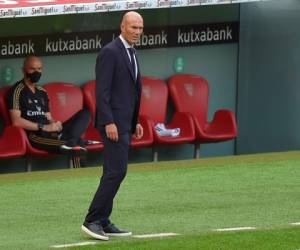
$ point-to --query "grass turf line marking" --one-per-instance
(141, 236)
(84, 243)
(295, 223)
(233, 229)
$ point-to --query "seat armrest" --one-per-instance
(14, 138)
(226, 119)
(184, 121)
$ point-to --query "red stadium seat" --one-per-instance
(154, 106)
(65, 100)
(3, 105)
(190, 94)
(12, 140)
(89, 99)
(69, 98)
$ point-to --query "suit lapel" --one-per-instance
(125, 56)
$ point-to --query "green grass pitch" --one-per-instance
(191, 198)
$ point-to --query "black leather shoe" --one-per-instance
(95, 230)
(112, 230)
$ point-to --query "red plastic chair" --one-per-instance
(190, 94)
(65, 100)
(69, 98)
(89, 98)
(154, 106)
(12, 140)
(12, 143)
(3, 105)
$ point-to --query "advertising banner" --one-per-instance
(93, 41)
(26, 8)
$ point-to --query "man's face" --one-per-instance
(132, 29)
(34, 64)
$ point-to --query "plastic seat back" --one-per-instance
(4, 112)
(12, 140)
(190, 94)
(154, 99)
(66, 99)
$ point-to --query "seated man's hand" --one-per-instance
(53, 127)
(59, 125)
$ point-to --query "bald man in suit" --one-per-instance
(118, 94)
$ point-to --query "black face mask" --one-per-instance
(34, 77)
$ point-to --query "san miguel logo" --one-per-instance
(93, 41)
(22, 8)
(72, 8)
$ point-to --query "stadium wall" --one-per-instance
(217, 63)
(257, 77)
(269, 77)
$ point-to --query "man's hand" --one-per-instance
(139, 131)
(112, 132)
(53, 127)
(59, 126)
(18, 121)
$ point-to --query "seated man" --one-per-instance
(29, 109)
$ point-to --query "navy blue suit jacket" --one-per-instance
(118, 94)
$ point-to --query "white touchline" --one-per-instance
(234, 229)
(84, 243)
(295, 223)
(154, 235)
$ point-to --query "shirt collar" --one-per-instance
(126, 44)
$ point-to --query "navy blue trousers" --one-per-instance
(114, 171)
